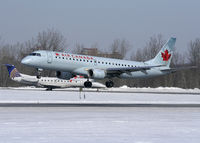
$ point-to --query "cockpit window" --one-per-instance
(35, 54)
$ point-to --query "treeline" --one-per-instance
(121, 49)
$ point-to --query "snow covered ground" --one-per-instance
(123, 89)
(99, 124)
(114, 95)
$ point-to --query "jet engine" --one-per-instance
(64, 75)
(97, 73)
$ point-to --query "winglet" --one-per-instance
(13, 72)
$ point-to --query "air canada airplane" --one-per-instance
(48, 82)
(100, 68)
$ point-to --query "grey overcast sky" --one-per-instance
(101, 21)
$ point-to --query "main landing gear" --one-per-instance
(109, 84)
(88, 84)
(49, 89)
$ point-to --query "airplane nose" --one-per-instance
(26, 61)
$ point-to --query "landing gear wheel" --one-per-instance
(88, 84)
(49, 89)
(38, 76)
(109, 84)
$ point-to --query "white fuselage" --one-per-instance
(54, 82)
(79, 64)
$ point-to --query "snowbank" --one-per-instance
(123, 88)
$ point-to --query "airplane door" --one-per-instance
(95, 62)
(49, 57)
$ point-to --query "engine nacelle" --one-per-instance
(63, 75)
(97, 73)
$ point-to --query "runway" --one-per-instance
(81, 104)
(41, 116)
(91, 98)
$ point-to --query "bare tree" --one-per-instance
(150, 50)
(194, 52)
(78, 48)
(120, 46)
(115, 46)
(48, 40)
(194, 59)
(124, 47)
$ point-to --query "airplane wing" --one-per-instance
(129, 69)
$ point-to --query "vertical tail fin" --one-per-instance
(13, 72)
(165, 54)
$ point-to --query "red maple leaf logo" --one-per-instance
(166, 56)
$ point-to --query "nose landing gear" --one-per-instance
(109, 84)
(88, 84)
(38, 73)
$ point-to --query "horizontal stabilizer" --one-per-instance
(30, 80)
(130, 69)
(178, 69)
